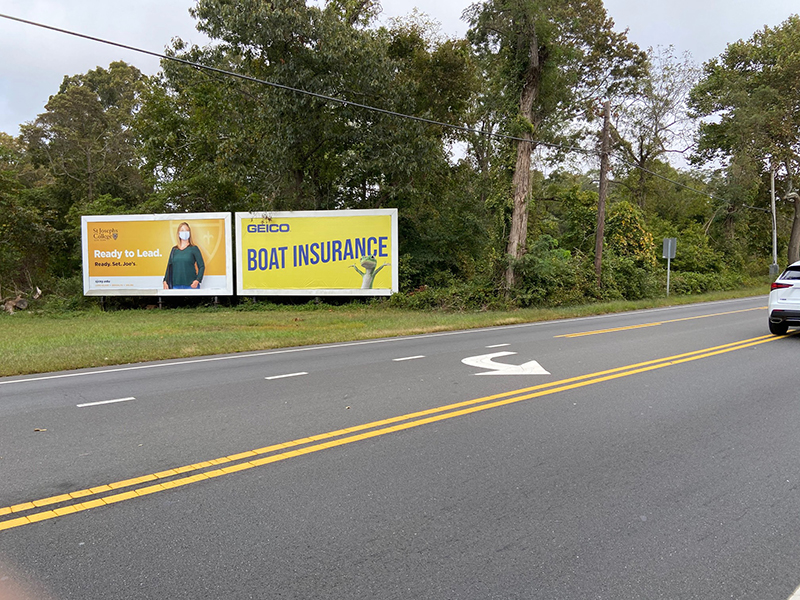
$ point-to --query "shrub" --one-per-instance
(685, 283)
(552, 276)
(628, 278)
(457, 296)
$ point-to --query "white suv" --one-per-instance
(784, 300)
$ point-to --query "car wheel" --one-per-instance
(779, 328)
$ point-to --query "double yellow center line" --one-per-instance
(81, 500)
(656, 323)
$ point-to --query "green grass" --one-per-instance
(37, 342)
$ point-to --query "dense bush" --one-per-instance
(684, 283)
(457, 296)
(552, 276)
(626, 278)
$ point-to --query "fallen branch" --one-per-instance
(19, 303)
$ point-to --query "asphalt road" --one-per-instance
(646, 455)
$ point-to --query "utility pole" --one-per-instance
(773, 268)
(603, 192)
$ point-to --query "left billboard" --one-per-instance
(134, 255)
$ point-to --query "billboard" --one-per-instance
(135, 255)
(317, 253)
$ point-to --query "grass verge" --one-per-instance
(35, 342)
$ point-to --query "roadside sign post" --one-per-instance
(670, 244)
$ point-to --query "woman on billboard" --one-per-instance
(185, 267)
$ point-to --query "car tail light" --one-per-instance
(779, 286)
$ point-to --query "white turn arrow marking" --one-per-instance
(484, 361)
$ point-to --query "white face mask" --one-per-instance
(184, 235)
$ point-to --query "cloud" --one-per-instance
(36, 60)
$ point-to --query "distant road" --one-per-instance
(642, 455)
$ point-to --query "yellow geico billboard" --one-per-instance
(312, 253)
(154, 255)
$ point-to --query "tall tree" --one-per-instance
(202, 136)
(217, 142)
(84, 141)
(299, 150)
(749, 95)
(653, 123)
(84, 138)
(552, 57)
(25, 235)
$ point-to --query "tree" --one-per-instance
(749, 95)
(296, 150)
(85, 137)
(553, 58)
(653, 122)
(202, 137)
(25, 234)
(299, 142)
(214, 142)
(84, 142)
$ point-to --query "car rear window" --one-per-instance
(791, 273)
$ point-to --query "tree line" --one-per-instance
(502, 206)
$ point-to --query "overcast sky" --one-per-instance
(34, 61)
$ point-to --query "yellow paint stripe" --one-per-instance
(387, 426)
(119, 497)
(80, 494)
(151, 489)
(42, 516)
(656, 323)
(14, 523)
(612, 330)
(65, 510)
(52, 500)
(130, 482)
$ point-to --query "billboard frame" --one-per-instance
(344, 213)
(89, 290)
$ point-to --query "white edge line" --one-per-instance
(104, 402)
(359, 343)
(408, 358)
(287, 375)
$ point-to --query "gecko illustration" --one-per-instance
(368, 274)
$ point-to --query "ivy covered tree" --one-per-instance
(551, 60)
(25, 233)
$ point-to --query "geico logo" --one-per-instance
(268, 228)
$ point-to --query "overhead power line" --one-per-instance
(285, 87)
(344, 102)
